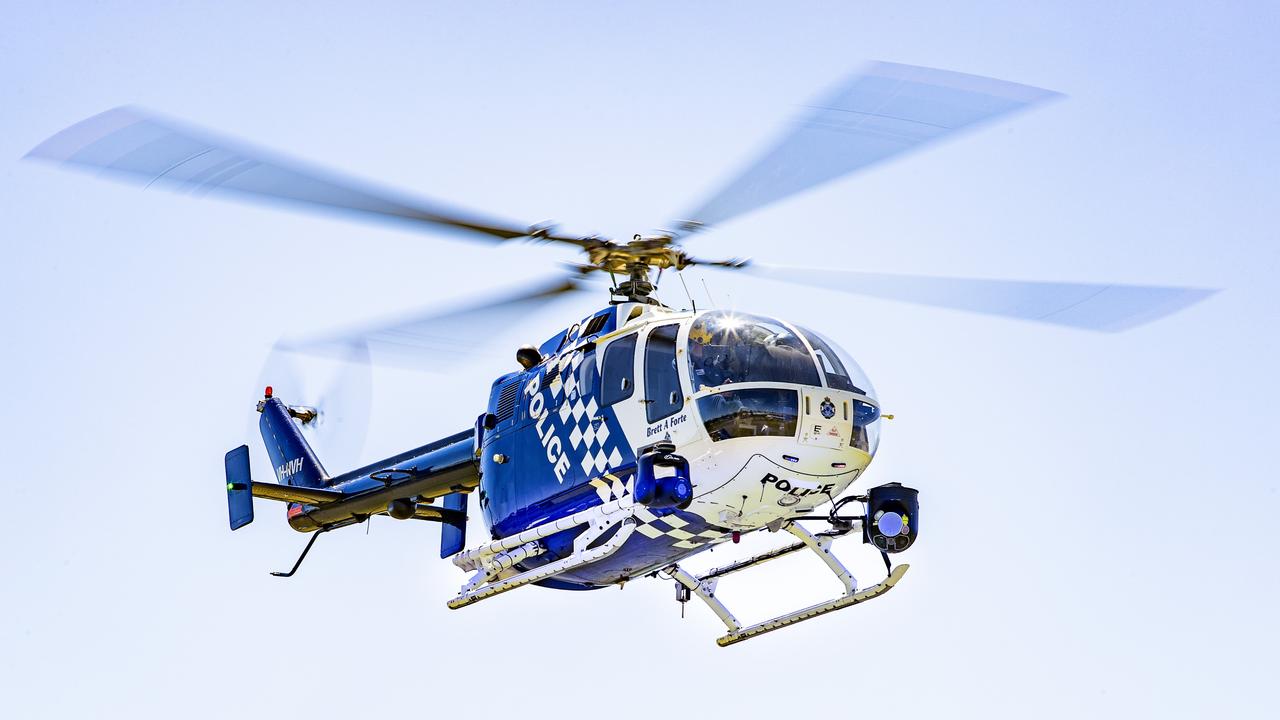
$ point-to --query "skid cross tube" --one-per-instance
(704, 587)
(767, 556)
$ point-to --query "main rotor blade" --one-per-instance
(133, 143)
(416, 340)
(1107, 308)
(883, 112)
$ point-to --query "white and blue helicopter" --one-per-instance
(639, 435)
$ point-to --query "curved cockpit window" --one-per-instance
(866, 429)
(727, 347)
(753, 412)
(841, 372)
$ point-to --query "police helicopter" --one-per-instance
(639, 434)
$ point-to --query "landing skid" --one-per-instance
(704, 587)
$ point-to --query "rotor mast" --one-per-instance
(636, 288)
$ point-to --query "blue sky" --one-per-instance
(1097, 509)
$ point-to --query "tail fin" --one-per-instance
(294, 461)
(453, 535)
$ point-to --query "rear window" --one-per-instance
(617, 371)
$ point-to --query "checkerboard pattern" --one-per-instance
(678, 531)
(589, 439)
(673, 527)
(596, 450)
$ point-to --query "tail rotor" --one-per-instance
(330, 396)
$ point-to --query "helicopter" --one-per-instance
(639, 435)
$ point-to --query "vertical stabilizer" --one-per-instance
(291, 457)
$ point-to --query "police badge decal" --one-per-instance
(827, 408)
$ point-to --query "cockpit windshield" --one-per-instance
(754, 412)
(727, 347)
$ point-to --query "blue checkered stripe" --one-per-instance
(590, 444)
(677, 531)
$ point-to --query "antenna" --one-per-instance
(708, 292)
(692, 302)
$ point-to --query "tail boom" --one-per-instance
(404, 485)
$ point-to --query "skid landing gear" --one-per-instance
(704, 587)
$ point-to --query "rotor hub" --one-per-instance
(636, 258)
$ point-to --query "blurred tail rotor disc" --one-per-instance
(338, 386)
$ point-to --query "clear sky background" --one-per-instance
(1098, 510)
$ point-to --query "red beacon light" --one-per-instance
(267, 393)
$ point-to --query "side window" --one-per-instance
(617, 371)
(661, 381)
(585, 375)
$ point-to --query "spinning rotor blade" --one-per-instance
(135, 144)
(887, 110)
(418, 339)
(1107, 308)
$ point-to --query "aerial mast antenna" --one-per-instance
(688, 294)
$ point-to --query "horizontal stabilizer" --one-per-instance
(439, 514)
(289, 493)
(241, 490)
(403, 486)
